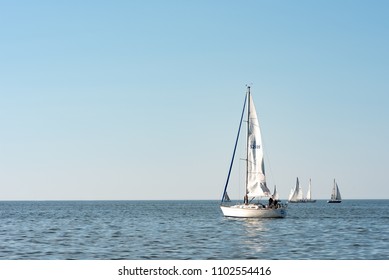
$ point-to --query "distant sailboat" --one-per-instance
(309, 193)
(335, 195)
(255, 174)
(296, 194)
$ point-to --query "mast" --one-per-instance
(247, 141)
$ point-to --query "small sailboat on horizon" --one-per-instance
(296, 194)
(335, 194)
(255, 186)
(309, 193)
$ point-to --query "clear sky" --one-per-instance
(141, 99)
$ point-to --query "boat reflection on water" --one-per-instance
(256, 232)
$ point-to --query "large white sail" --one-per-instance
(256, 180)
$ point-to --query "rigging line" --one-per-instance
(233, 154)
(239, 178)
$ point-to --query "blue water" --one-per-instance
(136, 230)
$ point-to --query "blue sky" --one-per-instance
(141, 99)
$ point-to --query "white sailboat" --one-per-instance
(309, 193)
(255, 174)
(296, 194)
(335, 195)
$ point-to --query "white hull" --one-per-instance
(252, 211)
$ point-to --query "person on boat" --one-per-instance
(246, 200)
(271, 201)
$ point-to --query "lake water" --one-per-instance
(138, 230)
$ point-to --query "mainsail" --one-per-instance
(256, 180)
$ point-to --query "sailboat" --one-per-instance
(296, 194)
(309, 193)
(335, 195)
(255, 174)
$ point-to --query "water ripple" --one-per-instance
(190, 230)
